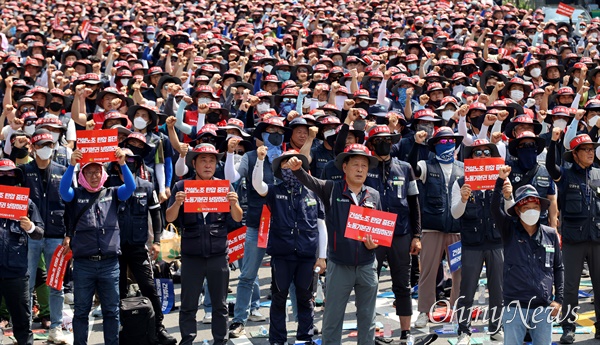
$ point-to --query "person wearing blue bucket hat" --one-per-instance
(533, 268)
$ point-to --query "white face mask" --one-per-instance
(268, 68)
(530, 217)
(124, 81)
(551, 39)
(447, 114)
(322, 103)
(593, 120)
(516, 95)
(560, 123)
(575, 81)
(339, 101)
(44, 153)
(412, 66)
(363, 44)
(551, 61)
(536, 72)
(505, 67)
(328, 30)
(458, 89)
(329, 133)
(55, 137)
(29, 129)
(263, 107)
(139, 123)
(204, 100)
(396, 44)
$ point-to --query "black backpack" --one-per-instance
(138, 322)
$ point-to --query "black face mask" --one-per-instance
(55, 106)
(489, 89)
(136, 150)
(213, 118)
(435, 104)
(362, 105)
(383, 149)
(132, 167)
(40, 111)
(18, 94)
(19, 153)
(448, 72)
(8, 180)
(553, 80)
(275, 139)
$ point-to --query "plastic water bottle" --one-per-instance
(481, 291)
(387, 327)
(410, 340)
(205, 342)
(486, 337)
(320, 296)
(263, 330)
(455, 323)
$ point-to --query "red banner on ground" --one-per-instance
(481, 173)
(236, 241)
(364, 221)
(565, 10)
(98, 145)
(206, 196)
(14, 202)
(58, 265)
(263, 227)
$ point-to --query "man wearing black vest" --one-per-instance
(42, 177)
(133, 223)
(397, 186)
(579, 193)
(351, 264)
(203, 249)
(481, 242)
(436, 177)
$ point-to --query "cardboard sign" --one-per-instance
(364, 221)
(98, 146)
(565, 10)
(14, 202)
(482, 173)
(166, 293)
(206, 196)
(58, 265)
(454, 256)
(236, 241)
(263, 227)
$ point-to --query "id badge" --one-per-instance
(311, 202)
(399, 184)
(549, 255)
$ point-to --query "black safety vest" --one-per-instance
(476, 224)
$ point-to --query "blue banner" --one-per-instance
(166, 293)
(455, 254)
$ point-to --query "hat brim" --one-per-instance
(544, 204)
(276, 165)
(262, 126)
(395, 137)
(147, 147)
(487, 74)
(339, 159)
(537, 128)
(18, 173)
(513, 144)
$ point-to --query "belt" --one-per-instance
(100, 257)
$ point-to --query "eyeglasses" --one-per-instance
(29, 122)
(49, 144)
(208, 140)
(239, 152)
(484, 152)
(447, 141)
(586, 149)
(288, 100)
(528, 145)
(273, 130)
(27, 109)
(93, 173)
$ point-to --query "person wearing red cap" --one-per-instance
(203, 250)
(14, 238)
(94, 230)
(578, 188)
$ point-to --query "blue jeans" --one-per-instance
(47, 246)
(207, 302)
(89, 277)
(253, 257)
(515, 319)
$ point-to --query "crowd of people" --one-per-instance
(310, 108)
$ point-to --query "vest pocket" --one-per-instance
(84, 242)
(17, 248)
(191, 242)
(218, 241)
(573, 203)
(140, 229)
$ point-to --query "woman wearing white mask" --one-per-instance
(517, 89)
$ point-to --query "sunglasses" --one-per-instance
(447, 141)
(484, 152)
(208, 140)
(529, 145)
(381, 140)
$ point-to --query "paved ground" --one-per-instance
(384, 305)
